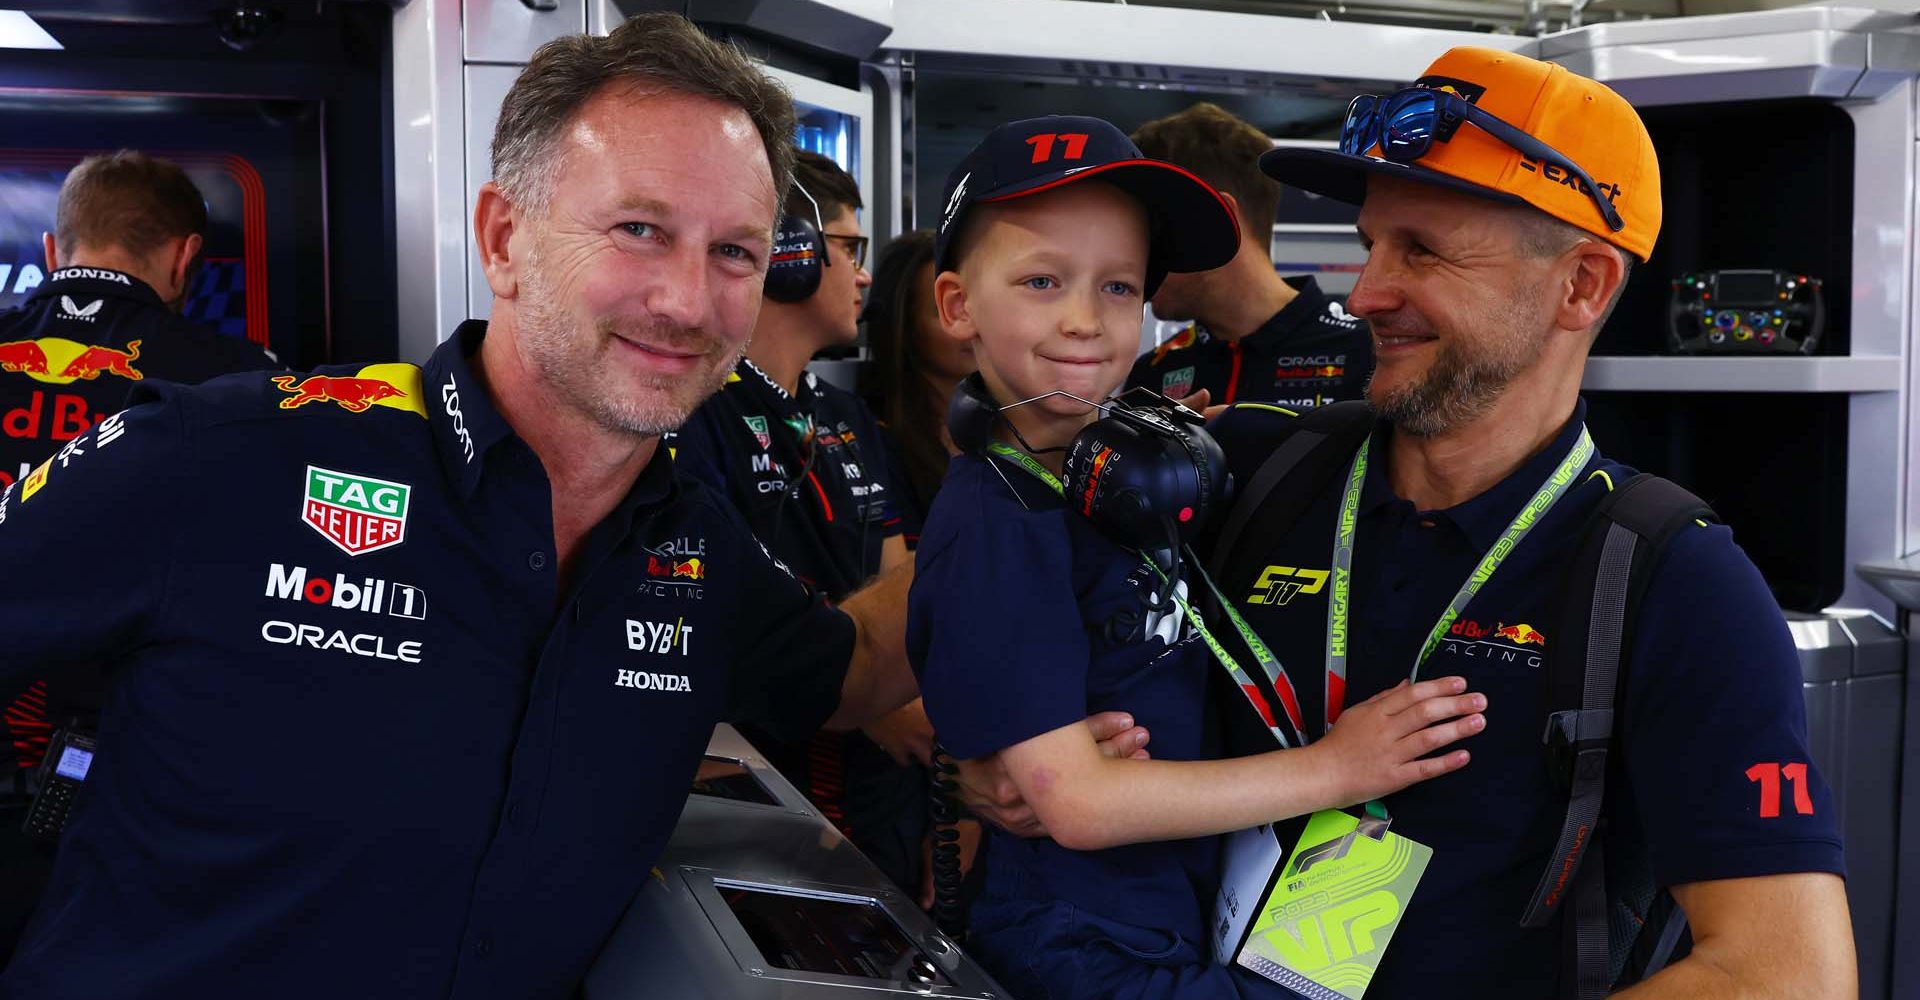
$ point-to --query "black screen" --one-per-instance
(729, 779)
(1744, 287)
(841, 937)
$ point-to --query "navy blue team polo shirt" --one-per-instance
(1312, 352)
(810, 472)
(1712, 692)
(1007, 625)
(362, 740)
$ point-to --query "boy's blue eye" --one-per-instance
(1119, 288)
(1040, 284)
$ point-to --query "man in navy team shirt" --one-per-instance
(805, 463)
(1487, 277)
(400, 709)
(1254, 336)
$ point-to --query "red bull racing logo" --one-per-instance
(676, 568)
(1501, 643)
(60, 361)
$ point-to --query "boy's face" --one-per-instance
(1049, 293)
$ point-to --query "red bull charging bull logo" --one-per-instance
(395, 386)
(1520, 635)
(354, 395)
(60, 361)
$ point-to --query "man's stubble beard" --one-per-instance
(1465, 381)
(578, 371)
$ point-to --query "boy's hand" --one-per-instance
(1380, 745)
(988, 790)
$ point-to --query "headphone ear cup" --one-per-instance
(799, 254)
(971, 415)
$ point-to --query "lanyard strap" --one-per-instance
(1268, 664)
(1339, 604)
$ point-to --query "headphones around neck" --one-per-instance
(1147, 474)
(799, 254)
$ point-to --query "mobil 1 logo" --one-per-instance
(367, 594)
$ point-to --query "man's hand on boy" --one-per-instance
(988, 790)
(904, 733)
(1198, 403)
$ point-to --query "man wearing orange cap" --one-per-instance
(1504, 202)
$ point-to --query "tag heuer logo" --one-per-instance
(758, 425)
(357, 513)
(1177, 383)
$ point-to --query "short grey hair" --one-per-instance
(659, 49)
(1542, 235)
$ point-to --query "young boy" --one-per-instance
(1055, 232)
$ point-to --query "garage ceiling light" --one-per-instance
(18, 31)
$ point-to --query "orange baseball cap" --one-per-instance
(1579, 118)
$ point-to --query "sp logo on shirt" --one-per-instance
(1278, 585)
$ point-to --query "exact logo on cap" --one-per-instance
(1581, 118)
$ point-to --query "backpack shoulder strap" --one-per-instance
(1275, 497)
(1604, 587)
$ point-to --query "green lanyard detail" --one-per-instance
(1268, 664)
(1338, 603)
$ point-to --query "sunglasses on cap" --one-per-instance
(1403, 124)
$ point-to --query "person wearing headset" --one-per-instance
(804, 461)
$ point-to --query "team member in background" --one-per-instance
(1024, 615)
(127, 235)
(1254, 336)
(125, 245)
(915, 364)
(459, 569)
(804, 461)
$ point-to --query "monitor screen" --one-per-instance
(830, 935)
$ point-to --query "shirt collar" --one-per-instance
(97, 281)
(1306, 306)
(465, 424)
(1484, 518)
(467, 427)
(752, 374)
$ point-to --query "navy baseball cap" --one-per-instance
(1191, 226)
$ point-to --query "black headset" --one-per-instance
(1147, 474)
(799, 254)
